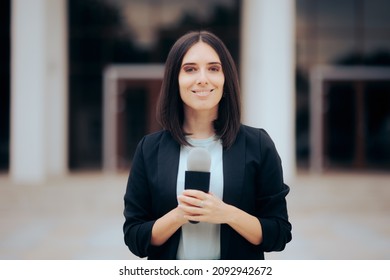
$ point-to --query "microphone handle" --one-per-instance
(197, 180)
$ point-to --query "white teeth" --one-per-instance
(203, 92)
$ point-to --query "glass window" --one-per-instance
(105, 32)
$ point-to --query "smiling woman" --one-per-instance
(244, 214)
(204, 64)
(201, 82)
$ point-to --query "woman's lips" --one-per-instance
(202, 92)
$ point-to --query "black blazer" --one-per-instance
(253, 182)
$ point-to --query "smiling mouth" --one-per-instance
(202, 92)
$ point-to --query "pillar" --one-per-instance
(38, 90)
(268, 71)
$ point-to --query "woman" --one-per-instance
(245, 213)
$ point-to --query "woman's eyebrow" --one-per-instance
(209, 63)
(188, 63)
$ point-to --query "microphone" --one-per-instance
(197, 175)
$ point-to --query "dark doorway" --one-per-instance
(5, 54)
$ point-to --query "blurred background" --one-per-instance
(79, 84)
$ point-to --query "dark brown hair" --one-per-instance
(170, 112)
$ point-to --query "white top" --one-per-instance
(201, 241)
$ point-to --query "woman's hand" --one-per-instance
(167, 225)
(204, 207)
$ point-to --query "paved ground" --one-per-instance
(334, 216)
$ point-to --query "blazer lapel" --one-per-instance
(168, 165)
(234, 170)
(233, 176)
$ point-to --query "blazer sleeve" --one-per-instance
(271, 205)
(138, 223)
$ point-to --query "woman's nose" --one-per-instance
(202, 78)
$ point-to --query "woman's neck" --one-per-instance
(199, 126)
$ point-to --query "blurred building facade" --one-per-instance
(65, 61)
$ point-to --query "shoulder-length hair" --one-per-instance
(170, 111)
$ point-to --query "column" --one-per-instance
(38, 90)
(268, 71)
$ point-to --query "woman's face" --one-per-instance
(201, 79)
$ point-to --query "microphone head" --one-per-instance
(199, 159)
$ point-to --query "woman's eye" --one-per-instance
(215, 68)
(189, 69)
